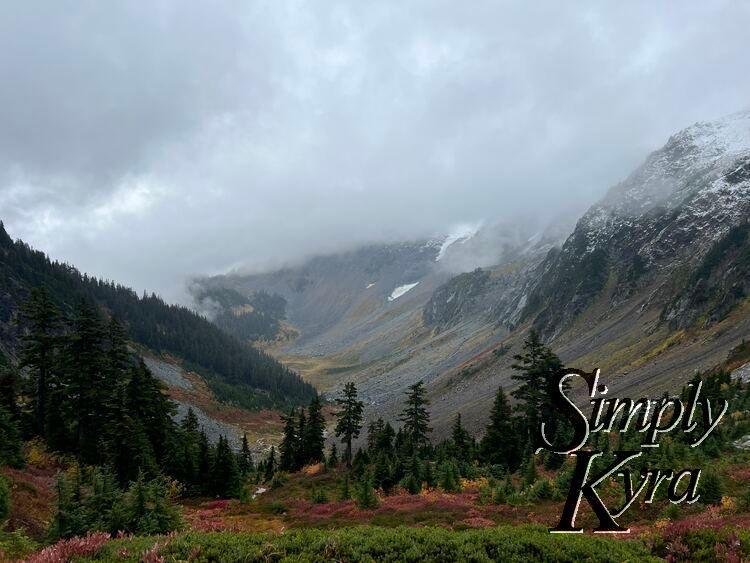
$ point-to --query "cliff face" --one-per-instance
(654, 228)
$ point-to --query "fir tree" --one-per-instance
(41, 320)
(270, 464)
(300, 451)
(289, 444)
(244, 458)
(365, 493)
(349, 419)
(315, 431)
(460, 440)
(415, 417)
(538, 370)
(499, 445)
(333, 457)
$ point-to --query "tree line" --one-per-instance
(236, 371)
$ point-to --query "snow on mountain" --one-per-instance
(460, 234)
(401, 290)
(663, 217)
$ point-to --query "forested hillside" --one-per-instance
(234, 370)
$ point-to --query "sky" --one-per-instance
(148, 142)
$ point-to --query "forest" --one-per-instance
(235, 371)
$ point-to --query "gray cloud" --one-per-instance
(148, 142)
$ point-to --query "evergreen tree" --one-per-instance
(245, 458)
(270, 464)
(499, 445)
(289, 444)
(41, 320)
(530, 474)
(4, 501)
(344, 490)
(333, 457)
(385, 438)
(205, 462)
(460, 441)
(10, 440)
(349, 419)
(538, 371)
(710, 488)
(301, 453)
(415, 417)
(365, 493)
(226, 477)
(315, 431)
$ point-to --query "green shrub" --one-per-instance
(318, 496)
(542, 490)
(499, 496)
(15, 546)
(278, 508)
(4, 500)
(511, 544)
(450, 480)
(485, 495)
(710, 488)
(365, 493)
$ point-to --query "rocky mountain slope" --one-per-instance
(650, 286)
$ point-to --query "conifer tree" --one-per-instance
(538, 370)
(270, 464)
(300, 452)
(226, 477)
(244, 458)
(333, 457)
(289, 444)
(349, 419)
(41, 319)
(499, 445)
(10, 440)
(315, 431)
(415, 417)
(365, 493)
(460, 441)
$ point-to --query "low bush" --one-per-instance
(522, 544)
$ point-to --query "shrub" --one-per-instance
(485, 495)
(4, 500)
(318, 496)
(450, 480)
(15, 546)
(365, 493)
(513, 544)
(542, 490)
(711, 488)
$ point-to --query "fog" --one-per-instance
(148, 142)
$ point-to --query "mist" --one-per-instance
(152, 142)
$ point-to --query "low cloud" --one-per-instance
(151, 142)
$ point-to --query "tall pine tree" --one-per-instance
(349, 418)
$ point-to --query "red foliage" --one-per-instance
(65, 550)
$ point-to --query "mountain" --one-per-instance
(386, 316)
(233, 370)
(651, 285)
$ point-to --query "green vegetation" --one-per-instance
(253, 318)
(522, 544)
(225, 362)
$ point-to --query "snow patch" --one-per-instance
(369, 285)
(400, 290)
(460, 234)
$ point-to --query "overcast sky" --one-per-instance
(150, 141)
